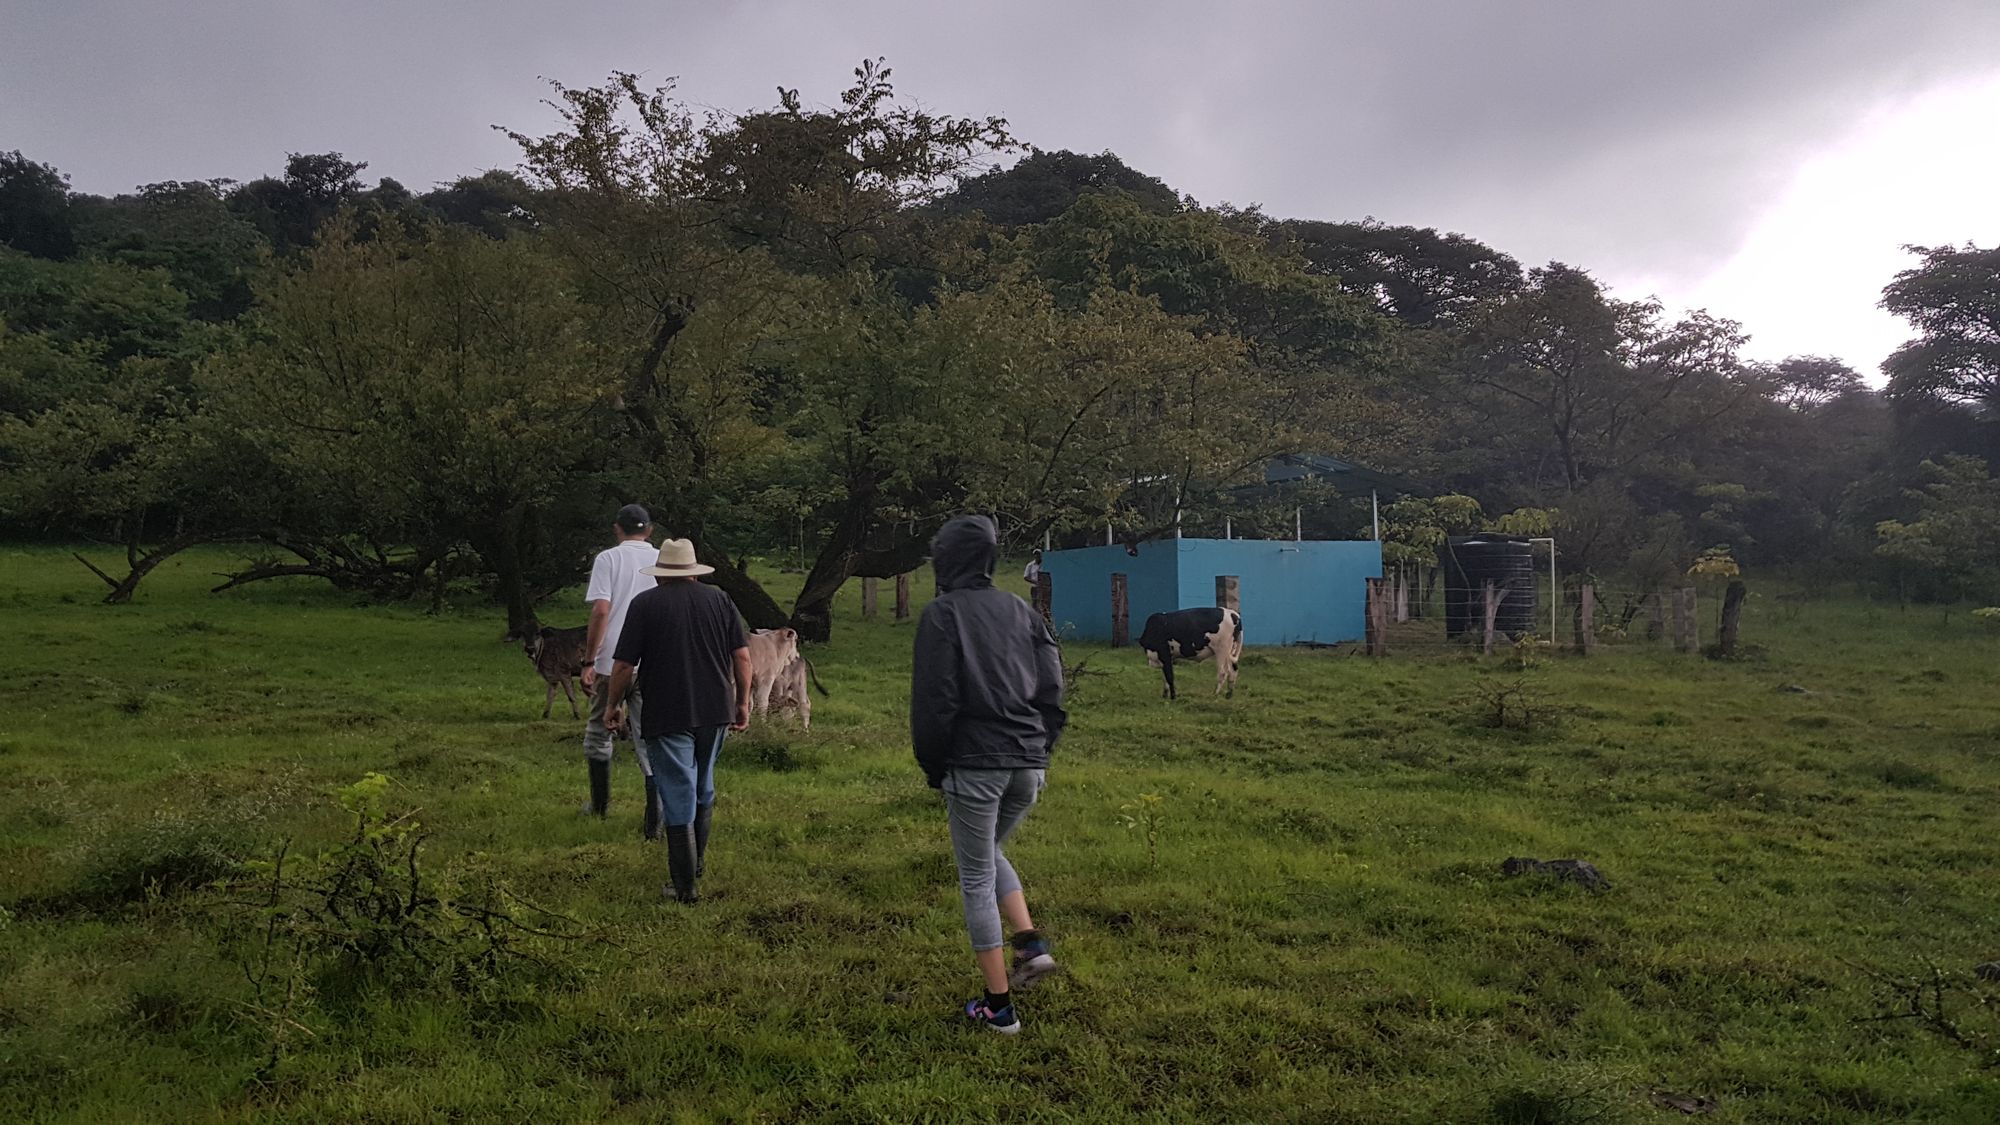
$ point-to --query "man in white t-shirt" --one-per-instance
(616, 577)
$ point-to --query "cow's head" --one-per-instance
(533, 642)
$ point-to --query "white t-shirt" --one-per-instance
(615, 578)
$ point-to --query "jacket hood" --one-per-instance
(964, 552)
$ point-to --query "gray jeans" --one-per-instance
(597, 737)
(986, 806)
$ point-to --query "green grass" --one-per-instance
(1326, 935)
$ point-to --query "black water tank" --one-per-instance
(1469, 562)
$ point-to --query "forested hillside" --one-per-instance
(807, 333)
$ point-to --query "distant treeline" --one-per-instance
(820, 330)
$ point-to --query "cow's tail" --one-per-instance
(1237, 644)
(813, 675)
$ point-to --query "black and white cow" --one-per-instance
(1195, 634)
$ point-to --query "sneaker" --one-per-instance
(1030, 965)
(1003, 1021)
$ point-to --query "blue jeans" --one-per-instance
(683, 764)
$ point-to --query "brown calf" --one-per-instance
(558, 656)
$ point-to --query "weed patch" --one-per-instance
(169, 854)
(1903, 775)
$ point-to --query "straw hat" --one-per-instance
(677, 561)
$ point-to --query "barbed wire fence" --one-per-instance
(1413, 612)
(1580, 615)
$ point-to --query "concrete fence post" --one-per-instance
(1687, 632)
(1491, 611)
(871, 598)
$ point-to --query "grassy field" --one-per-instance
(1319, 931)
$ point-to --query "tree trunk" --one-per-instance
(139, 563)
(499, 545)
(901, 557)
(1375, 617)
(759, 609)
(812, 614)
(1121, 613)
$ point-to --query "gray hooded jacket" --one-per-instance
(986, 686)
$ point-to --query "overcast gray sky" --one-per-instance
(1762, 158)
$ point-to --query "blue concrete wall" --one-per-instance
(1314, 590)
(1082, 587)
(1291, 591)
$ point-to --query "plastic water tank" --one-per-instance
(1470, 562)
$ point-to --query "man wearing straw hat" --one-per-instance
(684, 644)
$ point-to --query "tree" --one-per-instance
(1952, 299)
(1414, 530)
(424, 392)
(34, 208)
(1416, 275)
(1955, 540)
(496, 203)
(1056, 418)
(1586, 384)
(1307, 351)
(722, 256)
(102, 437)
(186, 230)
(290, 211)
(1803, 382)
(1042, 185)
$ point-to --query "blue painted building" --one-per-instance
(1289, 590)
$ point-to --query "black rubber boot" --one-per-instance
(701, 814)
(651, 827)
(600, 787)
(680, 862)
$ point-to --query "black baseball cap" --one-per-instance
(633, 519)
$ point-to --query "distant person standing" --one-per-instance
(1032, 573)
(616, 577)
(684, 646)
(985, 711)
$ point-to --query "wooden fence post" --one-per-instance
(871, 598)
(1375, 618)
(902, 597)
(1656, 625)
(1687, 636)
(1228, 592)
(1492, 611)
(1121, 614)
(1732, 612)
(1402, 594)
(1586, 620)
(1045, 597)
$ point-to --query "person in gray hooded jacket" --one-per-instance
(985, 712)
